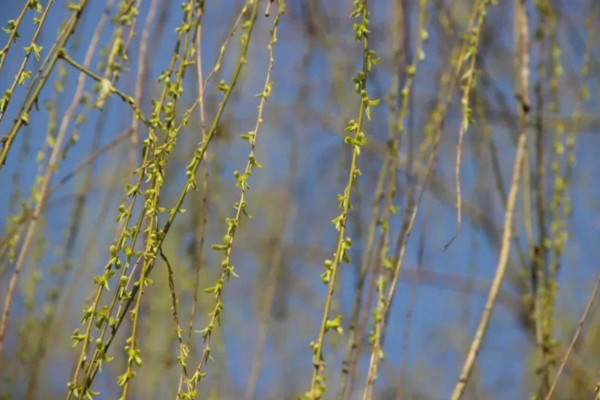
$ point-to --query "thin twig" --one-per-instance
(576, 335)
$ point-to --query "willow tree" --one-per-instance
(298, 199)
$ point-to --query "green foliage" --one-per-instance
(119, 236)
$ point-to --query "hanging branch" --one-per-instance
(240, 210)
(469, 81)
(34, 90)
(385, 264)
(22, 75)
(43, 190)
(361, 29)
(151, 170)
(523, 74)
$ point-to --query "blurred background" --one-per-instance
(273, 310)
